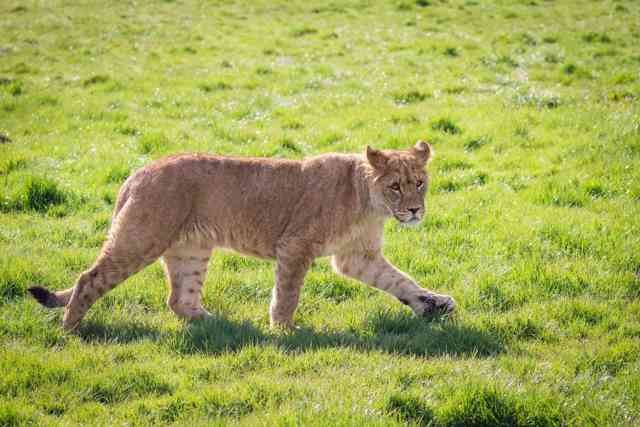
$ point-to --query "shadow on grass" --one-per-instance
(120, 331)
(396, 333)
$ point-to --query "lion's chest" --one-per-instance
(360, 233)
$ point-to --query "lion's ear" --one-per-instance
(377, 158)
(423, 152)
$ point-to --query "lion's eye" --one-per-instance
(419, 184)
(395, 186)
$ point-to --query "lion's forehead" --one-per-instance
(406, 169)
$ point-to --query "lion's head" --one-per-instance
(399, 181)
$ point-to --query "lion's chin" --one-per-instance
(413, 222)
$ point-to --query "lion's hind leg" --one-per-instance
(137, 238)
(186, 269)
(107, 273)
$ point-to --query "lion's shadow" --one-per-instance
(394, 333)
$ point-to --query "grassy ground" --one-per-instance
(533, 226)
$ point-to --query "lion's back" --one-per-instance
(248, 204)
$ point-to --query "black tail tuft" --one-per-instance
(44, 297)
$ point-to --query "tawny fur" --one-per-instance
(180, 208)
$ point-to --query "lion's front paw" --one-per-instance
(429, 305)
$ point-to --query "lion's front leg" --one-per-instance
(373, 269)
(290, 272)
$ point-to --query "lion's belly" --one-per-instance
(244, 240)
(254, 251)
(251, 246)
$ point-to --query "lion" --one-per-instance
(181, 208)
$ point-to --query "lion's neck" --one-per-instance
(363, 182)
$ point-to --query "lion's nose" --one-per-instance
(414, 210)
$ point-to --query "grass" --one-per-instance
(37, 194)
(532, 218)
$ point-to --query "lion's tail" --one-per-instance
(50, 299)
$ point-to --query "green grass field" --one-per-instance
(533, 213)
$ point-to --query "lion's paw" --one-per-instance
(429, 305)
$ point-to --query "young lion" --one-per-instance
(182, 207)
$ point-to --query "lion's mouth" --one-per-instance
(412, 221)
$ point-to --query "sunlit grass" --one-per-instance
(532, 108)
